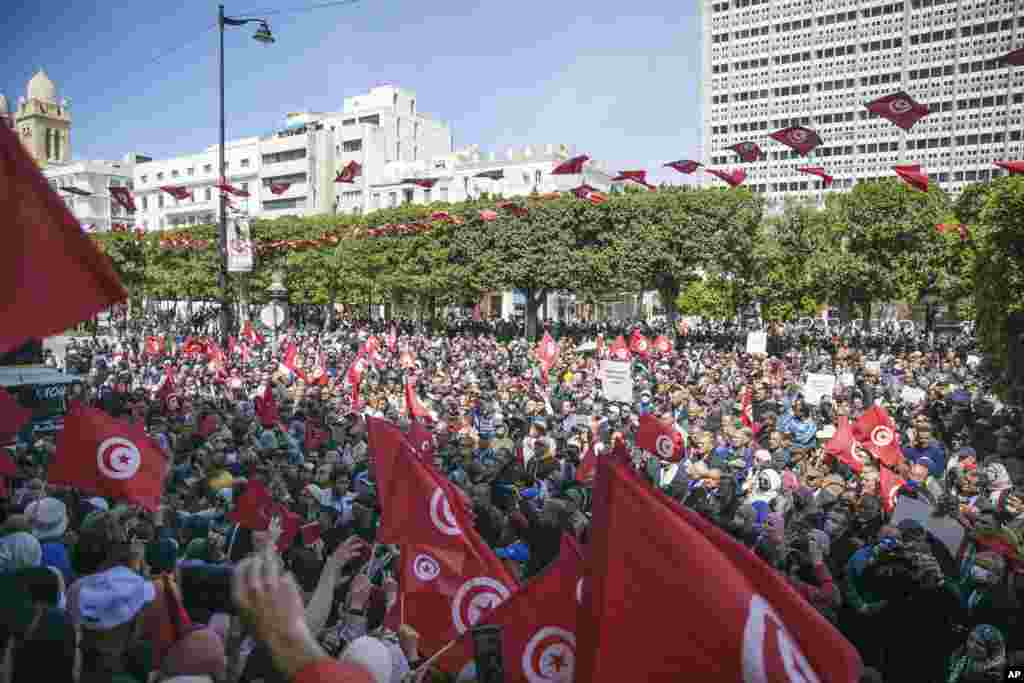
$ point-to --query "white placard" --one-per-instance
(912, 395)
(973, 361)
(618, 380)
(239, 245)
(946, 529)
(846, 379)
(816, 386)
(873, 365)
(757, 342)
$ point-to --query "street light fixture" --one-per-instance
(262, 35)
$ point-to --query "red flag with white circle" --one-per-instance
(108, 457)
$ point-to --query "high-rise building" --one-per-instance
(770, 64)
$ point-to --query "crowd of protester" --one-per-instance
(98, 590)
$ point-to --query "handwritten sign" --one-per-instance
(912, 395)
(757, 342)
(618, 381)
(818, 385)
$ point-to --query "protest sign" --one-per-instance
(757, 342)
(818, 385)
(912, 395)
(618, 381)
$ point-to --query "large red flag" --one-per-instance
(801, 139)
(572, 166)
(684, 165)
(422, 441)
(748, 151)
(52, 272)
(840, 446)
(660, 439)
(720, 614)
(538, 637)
(899, 108)
(877, 431)
(451, 578)
(662, 344)
(733, 178)
(104, 456)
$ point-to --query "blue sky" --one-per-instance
(622, 89)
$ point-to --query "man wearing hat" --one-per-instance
(49, 520)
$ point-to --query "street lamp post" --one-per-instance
(262, 35)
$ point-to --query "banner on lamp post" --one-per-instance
(239, 245)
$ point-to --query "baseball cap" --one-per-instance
(110, 598)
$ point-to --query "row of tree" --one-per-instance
(705, 251)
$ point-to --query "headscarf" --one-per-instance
(19, 551)
(991, 666)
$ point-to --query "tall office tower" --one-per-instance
(770, 64)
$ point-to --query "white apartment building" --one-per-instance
(158, 210)
(378, 128)
(85, 188)
(769, 64)
(469, 173)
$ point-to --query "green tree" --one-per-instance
(708, 298)
(888, 245)
(999, 265)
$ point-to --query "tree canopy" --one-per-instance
(705, 251)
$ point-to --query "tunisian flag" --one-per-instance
(55, 270)
(889, 486)
(659, 438)
(538, 638)
(108, 457)
(662, 344)
(748, 151)
(256, 508)
(798, 138)
(638, 344)
(618, 350)
(720, 614)
(899, 108)
(734, 178)
(450, 578)
(877, 432)
(422, 441)
(840, 446)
